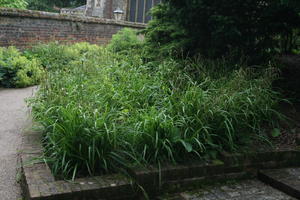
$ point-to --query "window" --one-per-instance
(139, 10)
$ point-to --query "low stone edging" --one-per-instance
(39, 184)
(238, 166)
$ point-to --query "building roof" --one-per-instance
(80, 8)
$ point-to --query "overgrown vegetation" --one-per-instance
(132, 103)
(18, 71)
(102, 111)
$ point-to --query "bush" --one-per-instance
(215, 28)
(109, 110)
(18, 71)
(52, 55)
(125, 40)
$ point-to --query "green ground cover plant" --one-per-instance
(102, 111)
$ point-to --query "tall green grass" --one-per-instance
(102, 111)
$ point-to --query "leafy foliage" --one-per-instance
(18, 71)
(13, 3)
(217, 27)
(101, 111)
(125, 40)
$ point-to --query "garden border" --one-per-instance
(39, 184)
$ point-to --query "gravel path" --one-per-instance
(13, 120)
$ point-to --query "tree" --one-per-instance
(13, 3)
(215, 28)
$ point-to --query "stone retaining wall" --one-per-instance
(23, 28)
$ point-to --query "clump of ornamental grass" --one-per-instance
(102, 111)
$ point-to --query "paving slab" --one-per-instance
(241, 190)
(13, 120)
(286, 180)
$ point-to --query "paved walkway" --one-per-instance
(242, 190)
(13, 120)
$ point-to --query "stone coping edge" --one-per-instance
(236, 166)
(39, 184)
(284, 184)
(12, 12)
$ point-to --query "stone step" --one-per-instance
(286, 180)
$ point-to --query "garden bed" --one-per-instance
(38, 183)
(103, 111)
(107, 110)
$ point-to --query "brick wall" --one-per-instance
(23, 28)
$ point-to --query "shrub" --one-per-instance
(18, 71)
(125, 40)
(54, 55)
(110, 110)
